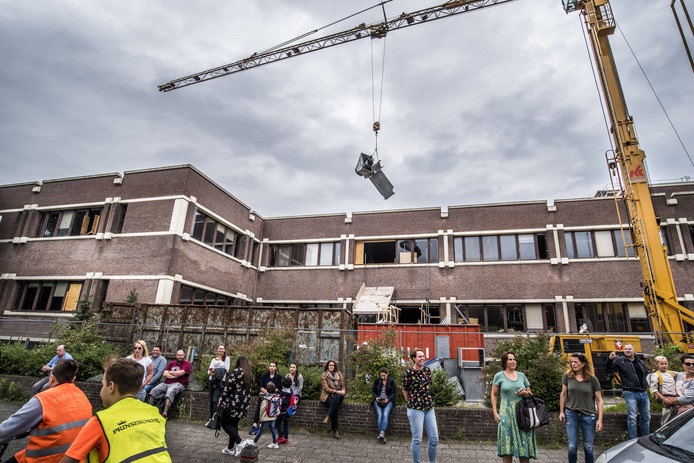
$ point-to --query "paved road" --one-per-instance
(190, 442)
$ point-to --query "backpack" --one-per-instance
(531, 413)
(291, 408)
(274, 406)
(659, 374)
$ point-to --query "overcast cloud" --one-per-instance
(493, 105)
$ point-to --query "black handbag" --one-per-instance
(531, 413)
(215, 422)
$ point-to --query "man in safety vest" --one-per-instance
(54, 416)
(127, 429)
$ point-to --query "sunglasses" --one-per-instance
(137, 348)
(689, 364)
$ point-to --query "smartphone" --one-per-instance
(520, 390)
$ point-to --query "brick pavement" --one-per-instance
(190, 441)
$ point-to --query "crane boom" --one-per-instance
(374, 30)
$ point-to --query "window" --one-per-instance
(403, 251)
(603, 243)
(219, 236)
(496, 317)
(48, 295)
(301, 254)
(68, 223)
(196, 296)
(490, 248)
(119, 220)
(612, 317)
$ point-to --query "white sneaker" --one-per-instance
(273, 446)
(239, 448)
(227, 451)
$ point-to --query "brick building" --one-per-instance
(176, 237)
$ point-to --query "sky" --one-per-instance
(494, 105)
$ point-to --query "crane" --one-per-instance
(671, 321)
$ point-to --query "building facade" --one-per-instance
(171, 235)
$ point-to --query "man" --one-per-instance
(633, 373)
(42, 385)
(684, 385)
(175, 381)
(158, 367)
(127, 429)
(54, 416)
(662, 385)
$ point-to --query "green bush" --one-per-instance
(312, 381)
(543, 369)
(670, 351)
(443, 389)
(11, 392)
(367, 362)
(271, 345)
(81, 340)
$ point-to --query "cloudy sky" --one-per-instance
(494, 105)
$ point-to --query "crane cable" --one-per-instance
(377, 118)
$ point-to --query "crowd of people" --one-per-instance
(66, 431)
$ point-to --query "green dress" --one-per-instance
(511, 440)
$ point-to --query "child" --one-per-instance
(269, 410)
(127, 429)
(283, 420)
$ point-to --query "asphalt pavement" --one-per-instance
(191, 441)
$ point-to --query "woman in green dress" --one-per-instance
(510, 385)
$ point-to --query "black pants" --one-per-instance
(230, 425)
(215, 389)
(333, 404)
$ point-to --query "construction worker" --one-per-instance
(54, 416)
(127, 429)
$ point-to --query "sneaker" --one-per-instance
(282, 440)
(239, 447)
(254, 430)
(381, 437)
(273, 446)
(227, 451)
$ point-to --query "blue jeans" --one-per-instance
(419, 421)
(576, 421)
(637, 401)
(382, 414)
(263, 426)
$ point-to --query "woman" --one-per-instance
(141, 356)
(580, 393)
(511, 385)
(684, 384)
(416, 387)
(297, 380)
(332, 394)
(270, 376)
(236, 396)
(217, 371)
(383, 392)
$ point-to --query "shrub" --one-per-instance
(10, 391)
(670, 351)
(443, 390)
(367, 362)
(543, 369)
(81, 340)
(271, 345)
(312, 381)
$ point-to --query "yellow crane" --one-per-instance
(671, 321)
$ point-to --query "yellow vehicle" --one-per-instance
(597, 348)
(671, 321)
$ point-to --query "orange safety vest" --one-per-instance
(65, 410)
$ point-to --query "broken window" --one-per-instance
(68, 223)
(48, 295)
(403, 251)
(197, 296)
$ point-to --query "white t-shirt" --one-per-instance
(145, 362)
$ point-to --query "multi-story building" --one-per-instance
(176, 237)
